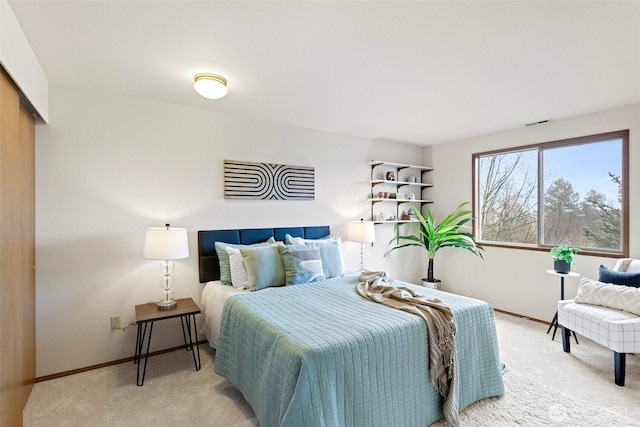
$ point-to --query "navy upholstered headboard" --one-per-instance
(208, 258)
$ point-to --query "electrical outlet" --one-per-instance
(115, 322)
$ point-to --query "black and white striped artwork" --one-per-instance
(268, 181)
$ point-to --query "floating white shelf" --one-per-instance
(400, 221)
(378, 199)
(400, 183)
(395, 168)
(375, 163)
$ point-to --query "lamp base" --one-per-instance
(167, 305)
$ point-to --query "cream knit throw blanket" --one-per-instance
(441, 328)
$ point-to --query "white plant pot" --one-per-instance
(432, 285)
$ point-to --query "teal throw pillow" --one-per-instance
(223, 257)
(302, 263)
(264, 267)
(331, 253)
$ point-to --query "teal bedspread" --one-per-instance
(319, 354)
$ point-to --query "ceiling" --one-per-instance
(423, 72)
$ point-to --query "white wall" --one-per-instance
(18, 59)
(109, 166)
(510, 279)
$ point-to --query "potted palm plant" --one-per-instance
(563, 256)
(432, 237)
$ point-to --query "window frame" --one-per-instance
(539, 147)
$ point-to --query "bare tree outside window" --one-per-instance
(508, 188)
(570, 191)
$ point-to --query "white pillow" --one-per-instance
(239, 278)
(619, 297)
(296, 241)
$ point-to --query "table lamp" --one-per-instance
(362, 232)
(166, 244)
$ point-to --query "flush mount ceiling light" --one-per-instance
(210, 86)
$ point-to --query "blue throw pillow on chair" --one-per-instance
(619, 277)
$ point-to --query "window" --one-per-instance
(571, 191)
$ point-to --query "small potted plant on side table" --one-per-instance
(563, 256)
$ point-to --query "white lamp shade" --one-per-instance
(166, 243)
(362, 232)
(210, 86)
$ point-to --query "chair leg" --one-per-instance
(566, 339)
(619, 361)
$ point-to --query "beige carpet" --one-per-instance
(544, 387)
(529, 403)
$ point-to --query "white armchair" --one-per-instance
(613, 328)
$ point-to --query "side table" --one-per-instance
(147, 314)
(554, 322)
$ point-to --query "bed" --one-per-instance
(319, 354)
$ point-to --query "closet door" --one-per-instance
(17, 255)
(28, 251)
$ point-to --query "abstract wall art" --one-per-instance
(268, 181)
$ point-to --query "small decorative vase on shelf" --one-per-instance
(561, 266)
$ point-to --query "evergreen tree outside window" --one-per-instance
(543, 195)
